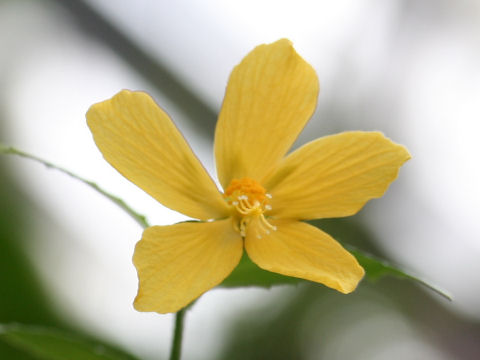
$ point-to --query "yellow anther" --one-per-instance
(249, 200)
(246, 188)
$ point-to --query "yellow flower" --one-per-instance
(270, 97)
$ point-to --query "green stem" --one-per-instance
(177, 335)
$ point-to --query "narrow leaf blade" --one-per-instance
(139, 218)
(248, 273)
(377, 268)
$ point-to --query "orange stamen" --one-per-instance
(250, 201)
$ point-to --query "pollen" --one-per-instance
(249, 200)
(246, 187)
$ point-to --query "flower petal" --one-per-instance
(270, 97)
(334, 176)
(178, 263)
(138, 139)
(301, 250)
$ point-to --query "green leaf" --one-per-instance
(248, 273)
(50, 344)
(376, 268)
(139, 218)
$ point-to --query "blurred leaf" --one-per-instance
(22, 296)
(49, 344)
(154, 69)
(376, 268)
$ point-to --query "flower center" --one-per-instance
(250, 201)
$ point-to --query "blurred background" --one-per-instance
(407, 68)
